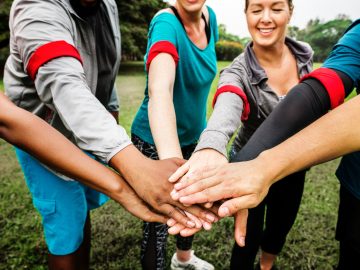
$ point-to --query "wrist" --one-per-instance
(271, 166)
(127, 162)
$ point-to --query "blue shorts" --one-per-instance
(62, 204)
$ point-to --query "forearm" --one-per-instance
(163, 126)
(331, 136)
(162, 116)
(224, 121)
(304, 104)
(35, 136)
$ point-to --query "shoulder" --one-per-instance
(36, 9)
(165, 11)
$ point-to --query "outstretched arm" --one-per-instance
(35, 136)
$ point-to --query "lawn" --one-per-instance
(117, 235)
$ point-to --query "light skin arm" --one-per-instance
(333, 135)
(161, 110)
(32, 134)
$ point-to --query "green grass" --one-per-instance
(117, 235)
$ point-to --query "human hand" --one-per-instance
(244, 184)
(149, 180)
(200, 162)
(127, 197)
(240, 224)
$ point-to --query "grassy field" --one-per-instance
(117, 235)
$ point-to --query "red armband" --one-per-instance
(332, 83)
(238, 91)
(162, 47)
(49, 51)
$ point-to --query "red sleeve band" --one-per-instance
(50, 51)
(332, 83)
(238, 91)
(162, 47)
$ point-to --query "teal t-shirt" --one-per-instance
(345, 55)
(195, 72)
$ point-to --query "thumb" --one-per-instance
(180, 172)
(230, 207)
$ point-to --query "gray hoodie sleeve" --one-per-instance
(226, 117)
(224, 121)
(61, 83)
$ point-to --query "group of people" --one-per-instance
(64, 58)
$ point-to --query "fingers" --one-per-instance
(197, 211)
(180, 172)
(240, 226)
(179, 161)
(143, 212)
(177, 215)
(192, 177)
(177, 228)
(208, 205)
(193, 185)
(204, 193)
(230, 207)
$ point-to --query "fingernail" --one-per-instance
(207, 226)
(177, 186)
(174, 195)
(224, 212)
(171, 222)
(190, 224)
(210, 217)
(172, 230)
(242, 241)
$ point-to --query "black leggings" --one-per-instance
(153, 246)
(281, 206)
(305, 103)
(348, 230)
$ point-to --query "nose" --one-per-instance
(266, 16)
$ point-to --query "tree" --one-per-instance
(135, 17)
(322, 36)
(229, 46)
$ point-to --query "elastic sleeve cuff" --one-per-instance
(117, 150)
(48, 52)
(213, 139)
(238, 91)
(332, 83)
(162, 47)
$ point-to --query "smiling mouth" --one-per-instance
(266, 30)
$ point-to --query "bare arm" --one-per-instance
(32, 134)
(162, 116)
(333, 135)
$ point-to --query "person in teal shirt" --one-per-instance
(180, 65)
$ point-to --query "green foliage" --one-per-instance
(135, 16)
(228, 50)
(322, 36)
(229, 46)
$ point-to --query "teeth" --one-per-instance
(266, 30)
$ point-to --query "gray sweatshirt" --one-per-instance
(251, 102)
(63, 92)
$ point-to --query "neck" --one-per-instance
(270, 56)
(189, 19)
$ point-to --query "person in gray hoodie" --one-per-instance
(249, 89)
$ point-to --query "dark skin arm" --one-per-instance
(149, 178)
(35, 136)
